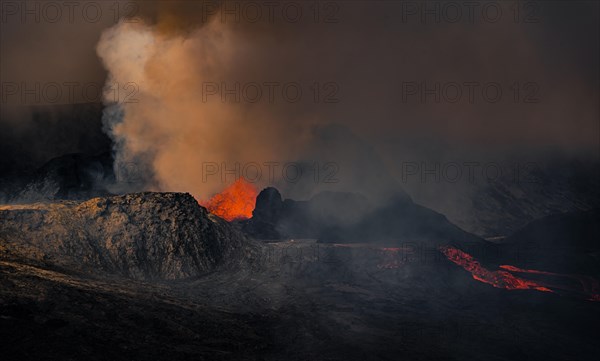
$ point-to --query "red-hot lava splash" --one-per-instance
(235, 202)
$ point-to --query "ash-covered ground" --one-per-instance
(287, 300)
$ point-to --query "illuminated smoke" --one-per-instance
(165, 124)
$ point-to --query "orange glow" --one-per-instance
(235, 202)
(498, 279)
(589, 287)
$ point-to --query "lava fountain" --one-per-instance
(235, 202)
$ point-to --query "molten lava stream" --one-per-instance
(588, 284)
(498, 279)
(235, 202)
(504, 279)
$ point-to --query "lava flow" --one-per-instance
(589, 285)
(498, 279)
(235, 202)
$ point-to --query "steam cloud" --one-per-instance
(173, 121)
(177, 56)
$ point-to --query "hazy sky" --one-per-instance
(389, 71)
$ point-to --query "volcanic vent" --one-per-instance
(234, 202)
(142, 235)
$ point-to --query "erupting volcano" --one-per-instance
(235, 202)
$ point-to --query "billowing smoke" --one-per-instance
(199, 105)
(178, 118)
(199, 96)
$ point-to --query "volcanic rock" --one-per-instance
(409, 222)
(567, 242)
(266, 214)
(340, 217)
(142, 236)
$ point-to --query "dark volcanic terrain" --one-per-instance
(153, 277)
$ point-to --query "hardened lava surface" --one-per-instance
(290, 300)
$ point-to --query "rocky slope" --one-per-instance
(141, 236)
(500, 207)
(566, 242)
(341, 217)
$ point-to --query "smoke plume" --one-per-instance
(204, 92)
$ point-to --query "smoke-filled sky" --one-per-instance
(211, 84)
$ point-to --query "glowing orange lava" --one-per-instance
(498, 279)
(589, 287)
(235, 202)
